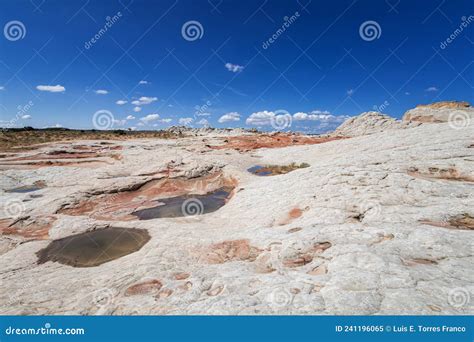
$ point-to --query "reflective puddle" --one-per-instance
(25, 189)
(95, 247)
(186, 205)
(28, 188)
(273, 170)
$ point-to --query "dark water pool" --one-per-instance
(187, 205)
(24, 189)
(95, 247)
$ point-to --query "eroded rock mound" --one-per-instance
(368, 123)
(440, 112)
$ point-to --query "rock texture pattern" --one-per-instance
(440, 112)
(359, 231)
(368, 123)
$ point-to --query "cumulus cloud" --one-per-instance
(54, 126)
(234, 67)
(431, 89)
(300, 116)
(232, 116)
(26, 117)
(52, 89)
(150, 117)
(185, 121)
(121, 102)
(137, 109)
(203, 122)
(101, 92)
(120, 122)
(260, 118)
(167, 120)
(130, 117)
(144, 100)
(318, 115)
(143, 82)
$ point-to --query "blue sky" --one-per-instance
(320, 67)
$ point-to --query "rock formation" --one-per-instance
(368, 123)
(440, 112)
(377, 224)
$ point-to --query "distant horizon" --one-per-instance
(151, 65)
(264, 128)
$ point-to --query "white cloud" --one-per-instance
(234, 67)
(143, 82)
(185, 121)
(203, 122)
(2, 88)
(318, 115)
(121, 102)
(26, 117)
(52, 89)
(144, 100)
(350, 92)
(120, 122)
(166, 120)
(300, 116)
(232, 116)
(150, 117)
(137, 109)
(203, 114)
(431, 89)
(407, 93)
(130, 117)
(260, 118)
(54, 126)
(101, 92)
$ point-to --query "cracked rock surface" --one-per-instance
(352, 233)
